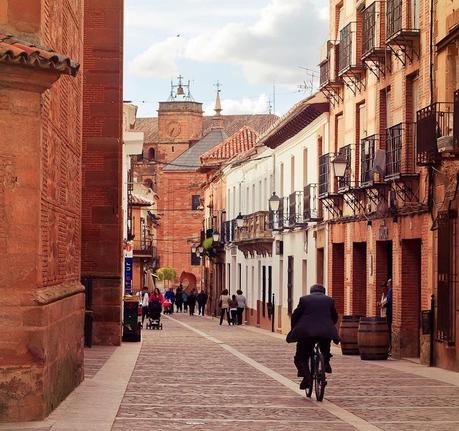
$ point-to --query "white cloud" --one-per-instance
(159, 60)
(258, 105)
(284, 35)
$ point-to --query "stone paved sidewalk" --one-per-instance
(197, 375)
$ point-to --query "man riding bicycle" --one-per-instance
(313, 321)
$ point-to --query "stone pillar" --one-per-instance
(40, 364)
(102, 156)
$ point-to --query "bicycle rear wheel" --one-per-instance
(320, 380)
(308, 390)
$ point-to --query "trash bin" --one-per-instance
(132, 325)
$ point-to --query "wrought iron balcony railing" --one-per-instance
(256, 227)
(369, 29)
(401, 19)
(345, 182)
(434, 132)
(400, 141)
(367, 155)
(324, 174)
(324, 73)
(311, 205)
(143, 247)
(345, 49)
(295, 209)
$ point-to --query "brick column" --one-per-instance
(102, 134)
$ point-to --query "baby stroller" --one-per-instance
(154, 315)
(167, 305)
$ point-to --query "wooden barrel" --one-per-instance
(348, 334)
(373, 338)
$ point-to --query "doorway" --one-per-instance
(290, 284)
(337, 276)
(383, 266)
(359, 279)
(410, 299)
(320, 266)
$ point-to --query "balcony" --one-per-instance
(255, 237)
(332, 202)
(435, 133)
(344, 183)
(350, 67)
(367, 156)
(311, 206)
(402, 28)
(295, 210)
(400, 167)
(373, 50)
(400, 150)
(324, 175)
(143, 248)
(330, 84)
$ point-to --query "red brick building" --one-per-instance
(40, 200)
(390, 214)
(174, 143)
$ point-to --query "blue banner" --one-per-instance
(128, 275)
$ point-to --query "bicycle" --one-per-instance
(318, 376)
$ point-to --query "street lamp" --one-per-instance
(216, 236)
(274, 202)
(193, 248)
(340, 165)
(200, 249)
(239, 221)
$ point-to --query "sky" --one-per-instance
(255, 48)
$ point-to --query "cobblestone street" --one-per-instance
(197, 375)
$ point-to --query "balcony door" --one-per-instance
(290, 274)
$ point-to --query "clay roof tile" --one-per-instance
(15, 51)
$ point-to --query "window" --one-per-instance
(305, 167)
(173, 148)
(195, 202)
(282, 179)
(292, 174)
(151, 153)
(195, 260)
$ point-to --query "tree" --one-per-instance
(166, 274)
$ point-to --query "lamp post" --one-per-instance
(216, 236)
(340, 164)
(239, 221)
(193, 248)
(274, 202)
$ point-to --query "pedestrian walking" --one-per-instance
(202, 301)
(192, 301)
(224, 306)
(232, 303)
(185, 301)
(145, 299)
(241, 304)
(383, 303)
(170, 295)
(156, 295)
(179, 299)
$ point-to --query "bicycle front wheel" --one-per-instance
(319, 377)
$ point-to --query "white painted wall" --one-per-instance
(248, 191)
(299, 243)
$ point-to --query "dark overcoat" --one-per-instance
(315, 316)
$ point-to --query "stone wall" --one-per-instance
(40, 182)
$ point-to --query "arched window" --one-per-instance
(151, 153)
(148, 183)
